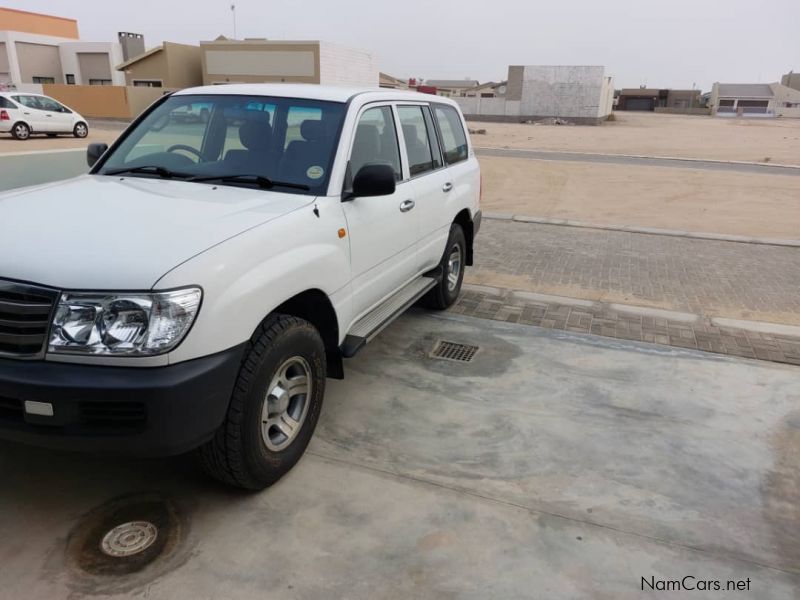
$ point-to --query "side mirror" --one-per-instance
(94, 152)
(373, 180)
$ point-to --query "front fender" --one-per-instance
(248, 276)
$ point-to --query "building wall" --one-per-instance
(5, 67)
(565, 91)
(104, 56)
(153, 67)
(38, 60)
(248, 61)
(339, 65)
(184, 66)
(786, 95)
(791, 80)
(104, 102)
(28, 22)
(515, 77)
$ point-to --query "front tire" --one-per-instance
(274, 408)
(21, 131)
(452, 266)
(81, 130)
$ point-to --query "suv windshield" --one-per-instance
(285, 143)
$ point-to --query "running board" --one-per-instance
(371, 324)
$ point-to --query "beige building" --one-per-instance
(791, 80)
(754, 100)
(451, 87)
(262, 61)
(169, 65)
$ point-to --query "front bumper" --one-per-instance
(156, 411)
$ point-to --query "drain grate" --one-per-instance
(454, 351)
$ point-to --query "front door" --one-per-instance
(59, 117)
(382, 229)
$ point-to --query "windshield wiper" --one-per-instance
(259, 180)
(162, 172)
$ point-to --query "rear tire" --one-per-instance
(446, 292)
(21, 131)
(81, 130)
(273, 410)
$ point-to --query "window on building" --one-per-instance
(37, 79)
(376, 141)
(70, 78)
(415, 133)
(454, 140)
(147, 83)
(99, 82)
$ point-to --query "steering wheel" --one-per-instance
(189, 149)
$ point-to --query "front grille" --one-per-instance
(25, 312)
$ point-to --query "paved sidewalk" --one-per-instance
(628, 323)
(703, 277)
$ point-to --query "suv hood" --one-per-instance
(112, 233)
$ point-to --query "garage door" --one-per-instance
(639, 104)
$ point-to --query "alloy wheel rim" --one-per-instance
(286, 404)
(81, 129)
(453, 268)
(21, 131)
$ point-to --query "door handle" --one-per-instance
(406, 205)
(447, 187)
(48, 115)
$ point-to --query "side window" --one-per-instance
(454, 140)
(432, 138)
(49, 104)
(376, 141)
(415, 133)
(6, 103)
(27, 101)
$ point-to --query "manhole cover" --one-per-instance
(125, 535)
(454, 351)
(129, 538)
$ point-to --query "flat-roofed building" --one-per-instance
(285, 61)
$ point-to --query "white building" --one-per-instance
(579, 94)
(763, 100)
(38, 49)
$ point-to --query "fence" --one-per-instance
(104, 101)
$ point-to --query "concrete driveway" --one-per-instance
(553, 465)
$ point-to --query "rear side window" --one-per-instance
(6, 103)
(418, 144)
(376, 141)
(454, 140)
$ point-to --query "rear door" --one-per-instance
(31, 113)
(430, 180)
(382, 230)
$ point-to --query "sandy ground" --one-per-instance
(658, 135)
(669, 198)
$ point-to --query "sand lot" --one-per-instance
(670, 198)
(653, 134)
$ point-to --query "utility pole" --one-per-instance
(233, 12)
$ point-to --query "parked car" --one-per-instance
(23, 115)
(198, 286)
(192, 113)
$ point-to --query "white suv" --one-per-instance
(23, 114)
(196, 288)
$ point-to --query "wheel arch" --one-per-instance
(464, 219)
(315, 307)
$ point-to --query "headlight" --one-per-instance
(123, 324)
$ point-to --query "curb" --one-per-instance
(646, 156)
(644, 311)
(718, 237)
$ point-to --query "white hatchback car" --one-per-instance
(23, 114)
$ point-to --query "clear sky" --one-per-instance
(661, 43)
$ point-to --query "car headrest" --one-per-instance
(410, 133)
(256, 132)
(312, 130)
